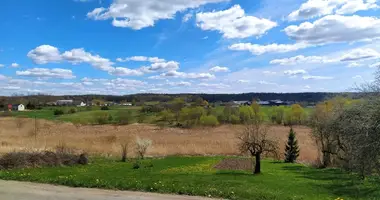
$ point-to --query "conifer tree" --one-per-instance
(291, 149)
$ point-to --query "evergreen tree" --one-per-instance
(291, 150)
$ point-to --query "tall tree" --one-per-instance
(291, 149)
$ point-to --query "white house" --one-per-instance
(82, 104)
(18, 107)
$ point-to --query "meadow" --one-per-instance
(197, 176)
(87, 115)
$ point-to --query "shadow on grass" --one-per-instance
(234, 173)
(339, 182)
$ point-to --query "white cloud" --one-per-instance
(161, 66)
(318, 8)
(77, 56)
(219, 69)
(300, 59)
(233, 23)
(357, 77)
(243, 81)
(138, 14)
(2, 77)
(182, 83)
(176, 74)
(335, 28)
(47, 73)
(258, 49)
(44, 54)
(122, 71)
(187, 17)
(266, 83)
(269, 72)
(354, 64)
(141, 59)
(295, 72)
(1, 65)
(375, 65)
(308, 77)
(10, 87)
(307, 87)
(360, 54)
(214, 85)
(15, 65)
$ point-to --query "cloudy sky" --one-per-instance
(171, 46)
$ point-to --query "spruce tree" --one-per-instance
(291, 149)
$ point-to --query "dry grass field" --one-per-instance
(28, 134)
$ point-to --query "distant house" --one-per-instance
(64, 102)
(81, 104)
(18, 107)
(241, 103)
(126, 104)
(263, 103)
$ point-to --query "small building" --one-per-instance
(81, 104)
(18, 107)
(241, 103)
(64, 102)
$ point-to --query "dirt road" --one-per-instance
(12, 190)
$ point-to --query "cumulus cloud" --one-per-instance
(176, 74)
(136, 14)
(335, 28)
(300, 59)
(357, 77)
(122, 71)
(219, 69)
(1, 65)
(141, 59)
(15, 65)
(269, 72)
(309, 77)
(243, 81)
(214, 85)
(44, 54)
(258, 49)
(360, 54)
(77, 56)
(295, 72)
(318, 8)
(181, 83)
(47, 73)
(352, 56)
(234, 23)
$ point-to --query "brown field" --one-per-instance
(18, 134)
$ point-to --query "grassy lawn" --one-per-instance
(196, 176)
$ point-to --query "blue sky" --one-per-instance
(175, 46)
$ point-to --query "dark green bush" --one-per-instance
(58, 112)
(104, 108)
(72, 111)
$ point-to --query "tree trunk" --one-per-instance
(326, 160)
(257, 164)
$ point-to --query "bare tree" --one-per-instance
(142, 146)
(254, 140)
(124, 147)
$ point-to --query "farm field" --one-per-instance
(198, 176)
(87, 115)
(105, 139)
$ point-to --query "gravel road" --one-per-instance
(13, 190)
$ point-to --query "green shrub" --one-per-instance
(234, 119)
(58, 112)
(72, 111)
(104, 108)
(209, 120)
(101, 118)
(136, 165)
(124, 117)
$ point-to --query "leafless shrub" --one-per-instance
(142, 146)
(124, 146)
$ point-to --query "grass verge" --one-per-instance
(196, 176)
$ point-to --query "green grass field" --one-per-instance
(196, 176)
(86, 115)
